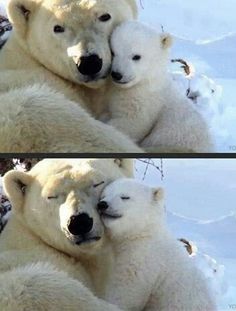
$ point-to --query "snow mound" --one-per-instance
(213, 236)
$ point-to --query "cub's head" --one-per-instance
(70, 37)
(139, 53)
(57, 201)
(204, 92)
(129, 208)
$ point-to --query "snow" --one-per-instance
(3, 7)
(205, 35)
(200, 196)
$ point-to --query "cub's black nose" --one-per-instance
(80, 224)
(116, 76)
(102, 206)
(90, 65)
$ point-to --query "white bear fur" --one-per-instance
(152, 270)
(59, 126)
(146, 96)
(30, 58)
(41, 267)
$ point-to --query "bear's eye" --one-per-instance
(58, 29)
(99, 184)
(136, 57)
(105, 17)
(212, 91)
(112, 53)
(52, 197)
(125, 197)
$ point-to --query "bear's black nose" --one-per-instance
(80, 224)
(116, 76)
(90, 65)
(102, 206)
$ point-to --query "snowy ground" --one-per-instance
(205, 34)
(200, 196)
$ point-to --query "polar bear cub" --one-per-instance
(132, 99)
(152, 271)
(143, 95)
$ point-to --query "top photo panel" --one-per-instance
(108, 76)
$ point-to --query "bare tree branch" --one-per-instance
(151, 163)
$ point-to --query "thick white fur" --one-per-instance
(59, 126)
(179, 127)
(41, 287)
(152, 271)
(41, 267)
(30, 58)
(145, 99)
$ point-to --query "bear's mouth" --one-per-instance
(87, 240)
(120, 82)
(193, 96)
(81, 239)
(107, 215)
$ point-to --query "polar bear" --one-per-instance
(62, 72)
(211, 269)
(204, 93)
(53, 252)
(152, 271)
(144, 96)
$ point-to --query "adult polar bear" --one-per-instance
(45, 95)
(53, 251)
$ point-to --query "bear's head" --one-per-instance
(57, 200)
(139, 54)
(129, 208)
(70, 37)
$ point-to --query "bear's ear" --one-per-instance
(19, 12)
(166, 40)
(127, 166)
(158, 194)
(134, 7)
(15, 184)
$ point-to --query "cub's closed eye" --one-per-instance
(99, 184)
(125, 198)
(105, 17)
(136, 57)
(52, 197)
(58, 29)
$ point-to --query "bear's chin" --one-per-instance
(94, 84)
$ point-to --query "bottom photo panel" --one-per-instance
(117, 234)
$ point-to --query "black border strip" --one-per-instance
(121, 155)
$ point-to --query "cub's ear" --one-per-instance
(19, 13)
(15, 184)
(158, 194)
(166, 41)
(127, 166)
(134, 7)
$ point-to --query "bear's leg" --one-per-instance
(38, 119)
(179, 130)
(40, 287)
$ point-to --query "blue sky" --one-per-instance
(208, 19)
(203, 189)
